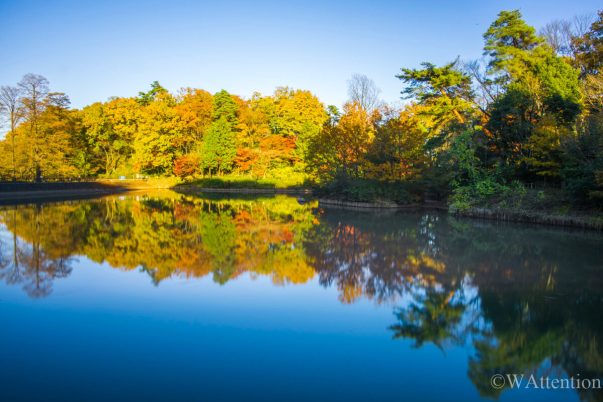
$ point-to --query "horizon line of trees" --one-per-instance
(530, 111)
(156, 133)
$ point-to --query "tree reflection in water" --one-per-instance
(525, 299)
(36, 259)
(163, 235)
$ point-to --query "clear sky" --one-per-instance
(97, 49)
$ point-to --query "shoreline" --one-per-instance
(192, 188)
(383, 205)
(40, 192)
(592, 222)
(24, 197)
(20, 192)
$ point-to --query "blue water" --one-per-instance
(109, 333)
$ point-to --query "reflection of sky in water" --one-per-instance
(109, 334)
(113, 332)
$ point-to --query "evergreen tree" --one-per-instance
(225, 107)
(445, 90)
(508, 42)
(219, 147)
(144, 98)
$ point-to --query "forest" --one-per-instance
(521, 126)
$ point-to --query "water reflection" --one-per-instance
(522, 300)
(38, 254)
(163, 236)
(528, 300)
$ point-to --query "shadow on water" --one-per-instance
(523, 299)
(527, 299)
(19, 193)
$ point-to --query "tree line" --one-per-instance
(156, 133)
(529, 112)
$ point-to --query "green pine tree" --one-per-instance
(219, 147)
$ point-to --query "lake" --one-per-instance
(160, 296)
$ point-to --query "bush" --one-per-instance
(187, 165)
(278, 178)
(488, 192)
(582, 162)
(366, 190)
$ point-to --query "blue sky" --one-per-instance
(94, 50)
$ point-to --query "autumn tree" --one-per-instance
(253, 122)
(34, 88)
(158, 132)
(589, 48)
(109, 131)
(59, 126)
(252, 129)
(398, 151)
(295, 114)
(194, 108)
(341, 149)
(11, 107)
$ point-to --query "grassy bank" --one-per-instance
(576, 219)
(515, 203)
(372, 191)
(291, 181)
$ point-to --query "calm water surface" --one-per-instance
(162, 297)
